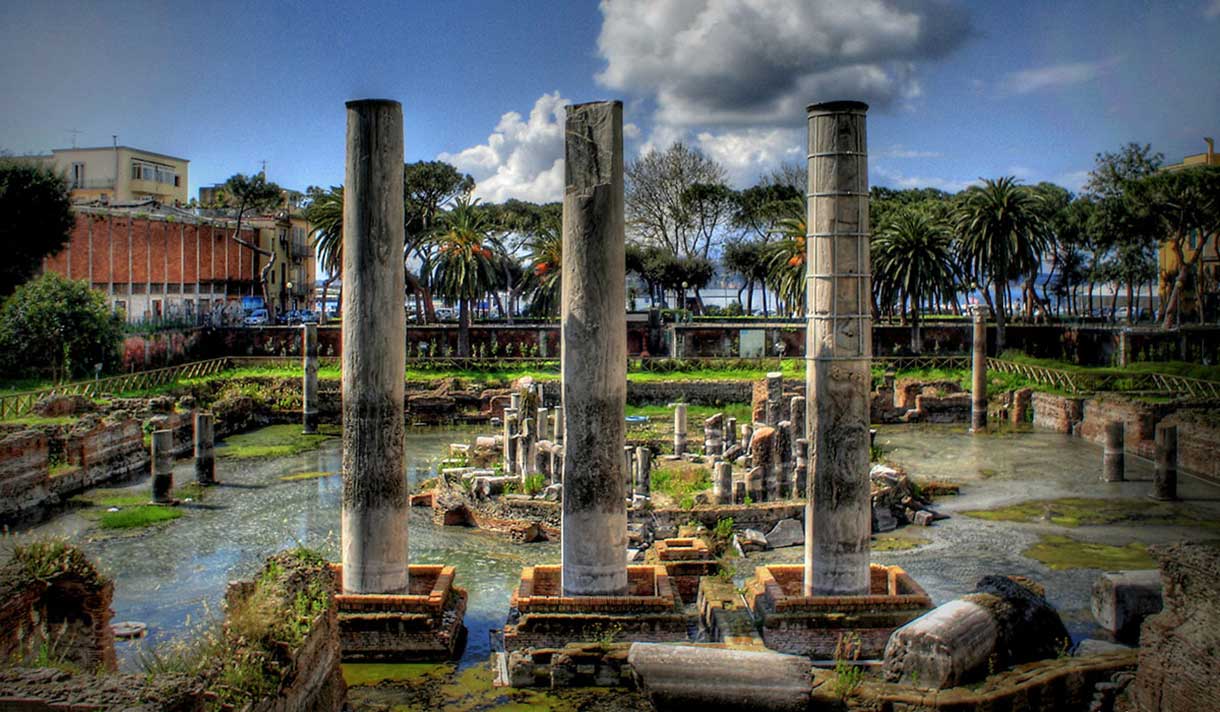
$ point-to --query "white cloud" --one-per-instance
(759, 62)
(899, 151)
(745, 153)
(1212, 10)
(523, 157)
(1027, 81)
(1073, 181)
(898, 179)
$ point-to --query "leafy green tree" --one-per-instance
(35, 219)
(244, 194)
(429, 187)
(325, 215)
(663, 206)
(1185, 205)
(913, 262)
(545, 262)
(1002, 236)
(747, 259)
(465, 264)
(58, 327)
(786, 257)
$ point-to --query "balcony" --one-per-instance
(91, 184)
(151, 187)
(301, 251)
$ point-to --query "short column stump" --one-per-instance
(812, 626)
(424, 624)
(686, 560)
(540, 616)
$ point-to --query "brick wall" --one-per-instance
(24, 471)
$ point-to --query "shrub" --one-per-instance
(57, 327)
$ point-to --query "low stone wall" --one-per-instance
(1198, 443)
(1139, 420)
(762, 517)
(50, 690)
(573, 665)
(690, 392)
(1055, 412)
(24, 472)
(1179, 650)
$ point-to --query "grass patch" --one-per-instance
(1061, 552)
(34, 421)
(898, 541)
(680, 480)
(140, 516)
(60, 468)
(274, 441)
(372, 673)
(307, 476)
(1080, 511)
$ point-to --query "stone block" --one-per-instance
(786, 532)
(1121, 601)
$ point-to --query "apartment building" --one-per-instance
(120, 174)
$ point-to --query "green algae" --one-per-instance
(355, 674)
(1082, 511)
(1061, 552)
(274, 441)
(299, 476)
(898, 541)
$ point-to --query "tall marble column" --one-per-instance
(680, 429)
(838, 352)
(978, 397)
(594, 353)
(309, 383)
(374, 518)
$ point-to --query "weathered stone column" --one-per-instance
(511, 425)
(838, 351)
(205, 458)
(594, 353)
(730, 432)
(374, 520)
(775, 397)
(629, 467)
(558, 410)
(544, 420)
(796, 413)
(722, 485)
(643, 472)
(762, 460)
(713, 431)
(1112, 452)
(680, 429)
(514, 401)
(162, 466)
(1166, 478)
(783, 461)
(978, 397)
(800, 475)
(309, 383)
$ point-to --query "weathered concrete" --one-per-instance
(594, 353)
(687, 677)
(1165, 481)
(1123, 599)
(1112, 459)
(375, 502)
(309, 382)
(162, 466)
(722, 484)
(978, 393)
(643, 472)
(838, 352)
(205, 458)
(680, 429)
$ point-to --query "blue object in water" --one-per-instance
(637, 419)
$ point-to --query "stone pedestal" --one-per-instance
(594, 354)
(309, 382)
(421, 624)
(838, 352)
(205, 458)
(1112, 459)
(162, 466)
(1165, 483)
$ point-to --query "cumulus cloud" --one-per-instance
(747, 152)
(1054, 76)
(523, 156)
(759, 62)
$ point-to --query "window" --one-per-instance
(153, 172)
(78, 175)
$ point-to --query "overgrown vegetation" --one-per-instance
(680, 481)
(274, 441)
(1062, 552)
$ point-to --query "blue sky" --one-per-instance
(959, 90)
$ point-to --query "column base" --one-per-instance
(423, 625)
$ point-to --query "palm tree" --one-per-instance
(545, 261)
(325, 214)
(786, 257)
(913, 262)
(1002, 236)
(466, 264)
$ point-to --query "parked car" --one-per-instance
(308, 317)
(258, 317)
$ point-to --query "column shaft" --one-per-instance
(1112, 455)
(309, 384)
(978, 398)
(162, 466)
(1166, 482)
(205, 458)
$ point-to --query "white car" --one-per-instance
(258, 317)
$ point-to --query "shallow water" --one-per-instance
(170, 573)
(167, 574)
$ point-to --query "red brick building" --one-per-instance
(159, 262)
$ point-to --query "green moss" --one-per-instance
(1061, 552)
(372, 673)
(1080, 511)
(274, 441)
(39, 420)
(307, 476)
(141, 516)
(898, 541)
(61, 468)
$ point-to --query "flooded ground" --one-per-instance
(170, 574)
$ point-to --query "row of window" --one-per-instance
(143, 170)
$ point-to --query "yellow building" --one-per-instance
(290, 284)
(120, 174)
(1205, 278)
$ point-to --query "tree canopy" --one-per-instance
(35, 219)
(58, 327)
